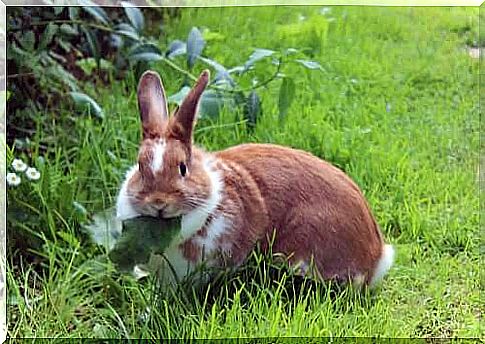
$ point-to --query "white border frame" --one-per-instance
(141, 3)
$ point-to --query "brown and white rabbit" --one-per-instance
(232, 199)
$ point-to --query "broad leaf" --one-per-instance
(142, 237)
(145, 48)
(222, 74)
(286, 96)
(68, 30)
(86, 103)
(257, 55)
(177, 98)
(128, 31)
(238, 69)
(176, 48)
(211, 101)
(310, 64)
(217, 66)
(104, 229)
(134, 15)
(195, 45)
(93, 9)
(93, 43)
(252, 110)
(47, 36)
(147, 57)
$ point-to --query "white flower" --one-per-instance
(32, 173)
(325, 10)
(301, 17)
(13, 179)
(18, 165)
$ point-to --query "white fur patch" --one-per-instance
(358, 281)
(124, 207)
(195, 219)
(176, 264)
(301, 268)
(216, 228)
(158, 152)
(384, 264)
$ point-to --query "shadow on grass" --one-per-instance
(258, 284)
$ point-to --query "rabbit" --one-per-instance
(231, 200)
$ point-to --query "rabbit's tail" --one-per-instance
(384, 264)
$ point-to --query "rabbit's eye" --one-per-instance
(182, 169)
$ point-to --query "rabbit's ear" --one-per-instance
(185, 116)
(152, 104)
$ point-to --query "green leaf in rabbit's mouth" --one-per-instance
(140, 238)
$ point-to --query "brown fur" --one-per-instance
(317, 211)
(319, 214)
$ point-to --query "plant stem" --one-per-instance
(179, 69)
(233, 91)
(270, 79)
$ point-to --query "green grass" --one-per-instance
(417, 164)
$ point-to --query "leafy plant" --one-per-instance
(134, 241)
(51, 50)
(226, 88)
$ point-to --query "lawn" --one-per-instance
(395, 106)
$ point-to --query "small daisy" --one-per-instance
(18, 165)
(13, 179)
(32, 173)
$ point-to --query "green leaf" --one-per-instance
(211, 101)
(47, 36)
(14, 52)
(86, 103)
(310, 64)
(28, 41)
(70, 239)
(257, 55)
(148, 57)
(128, 31)
(68, 30)
(93, 43)
(93, 9)
(134, 15)
(195, 45)
(89, 65)
(222, 75)
(176, 48)
(104, 229)
(178, 97)
(142, 237)
(80, 209)
(238, 69)
(286, 96)
(252, 110)
(145, 48)
(65, 45)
